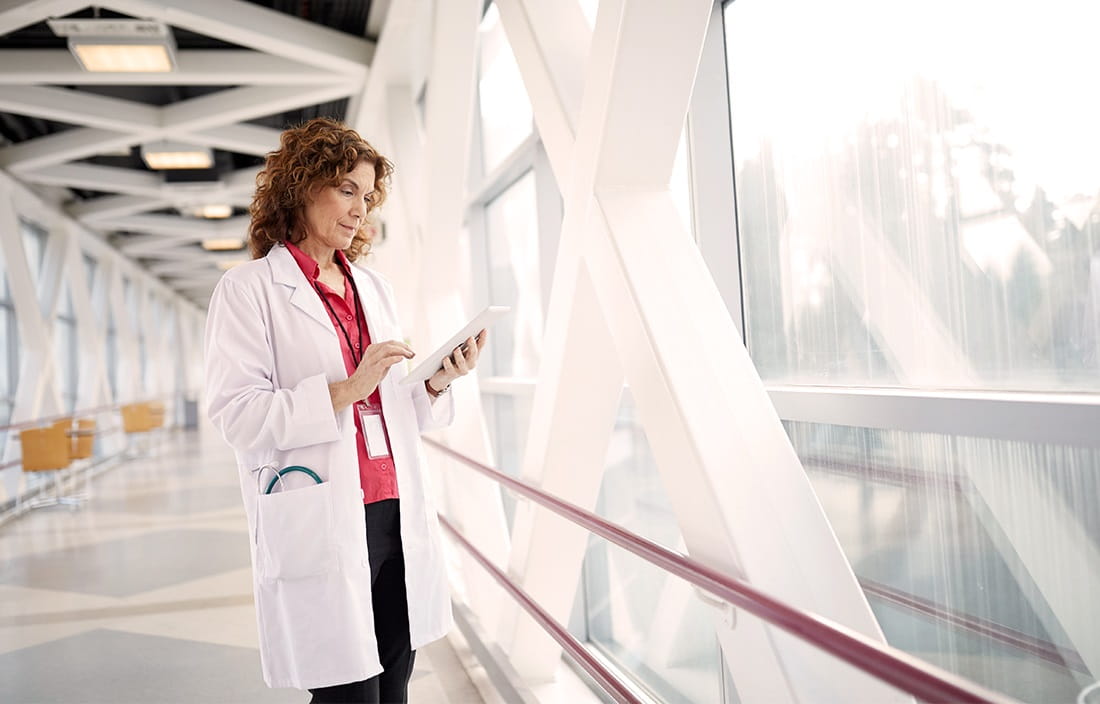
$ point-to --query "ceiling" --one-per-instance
(245, 70)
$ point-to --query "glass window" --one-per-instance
(34, 244)
(925, 218)
(9, 353)
(91, 266)
(513, 254)
(505, 109)
(932, 554)
(112, 352)
(65, 350)
(589, 8)
(649, 621)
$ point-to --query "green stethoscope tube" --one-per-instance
(287, 470)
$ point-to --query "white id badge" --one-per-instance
(370, 418)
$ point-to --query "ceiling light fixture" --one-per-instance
(176, 155)
(217, 211)
(223, 244)
(119, 45)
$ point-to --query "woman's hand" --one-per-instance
(459, 363)
(377, 360)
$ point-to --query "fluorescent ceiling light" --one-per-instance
(176, 155)
(119, 46)
(223, 244)
(217, 211)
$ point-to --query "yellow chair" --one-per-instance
(136, 418)
(46, 448)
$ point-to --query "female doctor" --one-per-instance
(303, 358)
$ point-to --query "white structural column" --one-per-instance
(474, 502)
(737, 488)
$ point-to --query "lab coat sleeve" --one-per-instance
(242, 400)
(433, 414)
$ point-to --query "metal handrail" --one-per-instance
(895, 667)
(82, 412)
(598, 671)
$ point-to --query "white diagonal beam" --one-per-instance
(181, 267)
(240, 138)
(94, 177)
(204, 112)
(686, 365)
(91, 211)
(158, 246)
(79, 108)
(194, 67)
(239, 104)
(168, 225)
(259, 28)
(62, 146)
(550, 43)
(16, 14)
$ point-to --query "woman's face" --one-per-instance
(335, 213)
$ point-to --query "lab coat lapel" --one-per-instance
(285, 271)
(368, 298)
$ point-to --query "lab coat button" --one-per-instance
(362, 494)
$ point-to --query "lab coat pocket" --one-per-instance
(294, 533)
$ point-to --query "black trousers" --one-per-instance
(391, 614)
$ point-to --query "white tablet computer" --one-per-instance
(434, 362)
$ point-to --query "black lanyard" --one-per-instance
(360, 318)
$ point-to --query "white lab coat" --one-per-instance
(271, 351)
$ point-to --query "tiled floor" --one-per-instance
(144, 594)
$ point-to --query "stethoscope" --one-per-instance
(278, 478)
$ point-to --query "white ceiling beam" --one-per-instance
(259, 28)
(240, 138)
(90, 211)
(78, 108)
(93, 177)
(239, 104)
(204, 112)
(157, 246)
(168, 225)
(61, 147)
(376, 17)
(243, 180)
(181, 267)
(194, 67)
(15, 14)
(206, 277)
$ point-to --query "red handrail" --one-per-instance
(604, 677)
(895, 667)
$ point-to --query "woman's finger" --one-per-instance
(460, 362)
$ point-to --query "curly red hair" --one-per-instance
(315, 154)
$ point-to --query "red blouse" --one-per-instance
(376, 476)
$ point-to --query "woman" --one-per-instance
(303, 360)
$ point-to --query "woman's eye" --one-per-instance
(348, 193)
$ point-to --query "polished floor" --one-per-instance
(144, 593)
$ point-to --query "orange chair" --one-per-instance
(46, 448)
(136, 418)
